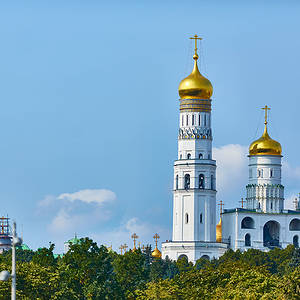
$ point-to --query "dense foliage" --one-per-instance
(91, 272)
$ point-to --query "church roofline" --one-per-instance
(253, 211)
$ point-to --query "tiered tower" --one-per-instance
(265, 192)
(194, 206)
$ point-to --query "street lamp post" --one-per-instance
(4, 275)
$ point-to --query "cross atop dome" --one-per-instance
(266, 108)
(196, 38)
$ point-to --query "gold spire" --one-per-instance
(156, 253)
(195, 86)
(265, 145)
(219, 231)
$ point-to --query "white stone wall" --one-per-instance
(233, 231)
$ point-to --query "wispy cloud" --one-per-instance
(70, 212)
(231, 166)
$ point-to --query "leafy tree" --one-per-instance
(131, 271)
(44, 256)
(87, 270)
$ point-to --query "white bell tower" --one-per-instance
(194, 193)
(265, 192)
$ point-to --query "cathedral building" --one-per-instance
(262, 224)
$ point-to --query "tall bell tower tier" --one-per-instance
(194, 192)
(265, 192)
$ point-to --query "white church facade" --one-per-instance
(262, 224)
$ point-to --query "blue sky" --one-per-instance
(89, 105)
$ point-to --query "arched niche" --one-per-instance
(271, 234)
(294, 225)
(247, 223)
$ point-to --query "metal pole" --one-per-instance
(13, 264)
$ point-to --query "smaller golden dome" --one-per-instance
(265, 145)
(219, 231)
(195, 86)
(156, 253)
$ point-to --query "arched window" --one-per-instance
(212, 182)
(176, 182)
(271, 173)
(205, 120)
(247, 223)
(189, 156)
(201, 218)
(271, 205)
(183, 257)
(186, 218)
(187, 120)
(209, 156)
(182, 121)
(205, 257)
(193, 119)
(199, 120)
(247, 240)
(200, 156)
(180, 156)
(187, 180)
(201, 181)
(295, 225)
(258, 173)
(296, 241)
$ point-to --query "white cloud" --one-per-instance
(99, 197)
(231, 168)
(78, 211)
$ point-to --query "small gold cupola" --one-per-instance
(156, 253)
(195, 86)
(265, 145)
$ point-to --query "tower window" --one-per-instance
(200, 156)
(176, 184)
(205, 120)
(199, 120)
(271, 205)
(182, 120)
(189, 156)
(271, 173)
(193, 119)
(187, 180)
(186, 218)
(187, 120)
(201, 181)
(212, 182)
(201, 218)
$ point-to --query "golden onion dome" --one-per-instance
(265, 145)
(219, 231)
(195, 86)
(156, 253)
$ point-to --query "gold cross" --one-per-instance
(125, 247)
(156, 237)
(196, 38)
(242, 201)
(266, 108)
(134, 237)
(121, 248)
(221, 206)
